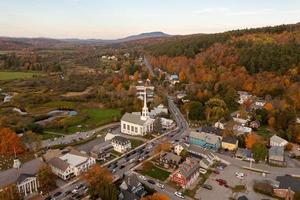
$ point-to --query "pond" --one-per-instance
(54, 114)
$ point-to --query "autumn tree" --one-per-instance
(10, 193)
(182, 76)
(215, 108)
(164, 146)
(146, 166)
(250, 140)
(100, 183)
(45, 178)
(156, 196)
(9, 142)
(272, 122)
(136, 75)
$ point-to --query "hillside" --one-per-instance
(9, 43)
(259, 49)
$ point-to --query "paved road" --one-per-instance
(67, 139)
(149, 66)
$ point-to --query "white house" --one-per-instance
(220, 125)
(243, 97)
(23, 176)
(277, 141)
(70, 165)
(121, 144)
(109, 136)
(158, 110)
(241, 129)
(167, 123)
(178, 149)
(134, 124)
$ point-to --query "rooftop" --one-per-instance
(120, 140)
(73, 159)
(132, 118)
(207, 137)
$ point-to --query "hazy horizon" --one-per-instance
(114, 19)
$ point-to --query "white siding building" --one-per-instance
(277, 141)
(70, 165)
(121, 144)
(134, 124)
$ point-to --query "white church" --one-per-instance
(137, 123)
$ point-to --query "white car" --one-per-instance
(241, 174)
(179, 194)
(160, 185)
(202, 171)
(143, 178)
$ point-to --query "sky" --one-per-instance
(111, 19)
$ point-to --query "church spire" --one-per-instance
(145, 111)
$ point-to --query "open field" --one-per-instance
(88, 119)
(16, 75)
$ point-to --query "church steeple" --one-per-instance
(145, 111)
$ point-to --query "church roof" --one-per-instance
(132, 118)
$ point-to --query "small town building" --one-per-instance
(186, 174)
(178, 148)
(109, 136)
(131, 188)
(169, 160)
(135, 124)
(220, 125)
(101, 151)
(205, 140)
(243, 97)
(23, 176)
(167, 123)
(240, 130)
(70, 165)
(121, 144)
(278, 141)
(174, 79)
(244, 154)
(276, 155)
(230, 143)
(161, 109)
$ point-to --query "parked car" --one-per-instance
(143, 177)
(67, 193)
(57, 194)
(202, 171)
(151, 181)
(160, 185)
(221, 181)
(206, 186)
(216, 172)
(179, 194)
(48, 198)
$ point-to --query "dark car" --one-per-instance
(221, 181)
(67, 193)
(122, 166)
(48, 198)
(57, 194)
(151, 181)
(80, 186)
(206, 186)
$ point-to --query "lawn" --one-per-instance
(157, 173)
(264, 132)
(16, 75)
(135, 143)
(88, 119)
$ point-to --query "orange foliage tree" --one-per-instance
(164, 146)
(268, 106)
(97, 174)
(156, 196)
(9, 142)
(250, 140)
(272, 122)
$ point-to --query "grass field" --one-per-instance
(88, 119)
(135, 143)
(157, 173)
(16, 75)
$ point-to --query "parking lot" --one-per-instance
(221, 192)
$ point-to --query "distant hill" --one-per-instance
(8, 43)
